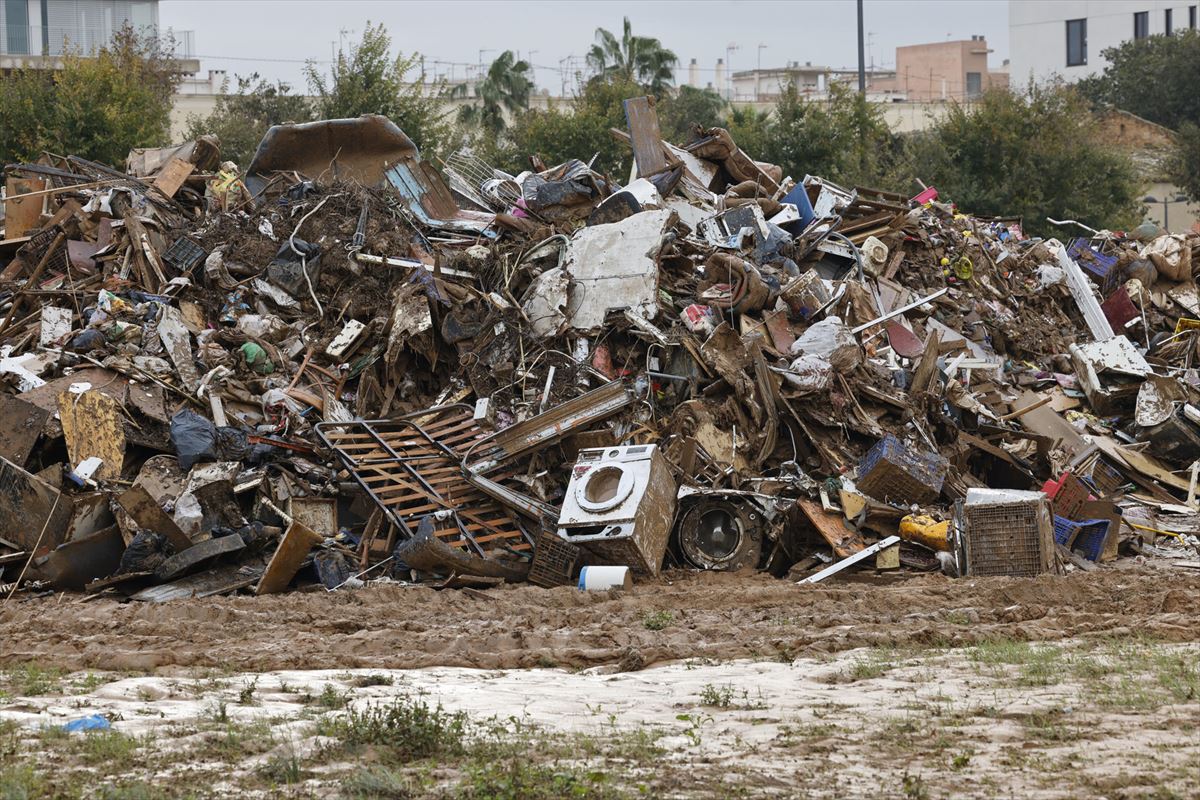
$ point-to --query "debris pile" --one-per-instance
(347, 364)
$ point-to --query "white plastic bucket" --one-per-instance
(599, 579)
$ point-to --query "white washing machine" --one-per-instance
(620, 506)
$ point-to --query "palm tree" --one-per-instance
(639, 59)
(505, 88)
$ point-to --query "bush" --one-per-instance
(409, 728)
(98, 107)
(1036, 154)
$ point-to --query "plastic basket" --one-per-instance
(554, 560)
(184, 254)
(893, 473)
(1086, 537)
(1071, 495)
(1105, 480)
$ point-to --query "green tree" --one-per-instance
(843, 138)
(98, 106)
(580, 131)
(688, 106)
(505, 89)
(1035, 153)
(1185, 169)
(1154, 78)
(368, 80)
(633, 59)
(240, 119)
(26, 114)
(752, 130)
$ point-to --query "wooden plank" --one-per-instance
(645, 136)
(293, 548)
(92, 426)
(21, 214)
(148, 514)
(172, 176)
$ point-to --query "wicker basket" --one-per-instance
(554, 560)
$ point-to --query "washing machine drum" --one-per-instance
(720, 534)
(604, 488)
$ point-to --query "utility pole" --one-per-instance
(862, 64)
(729, 69)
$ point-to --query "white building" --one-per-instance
(1067, 37)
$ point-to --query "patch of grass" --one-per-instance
(657, 620)
(246, 693)
(113, 749)
(719, 696)
(727, 697)
(233, 741)
(90, 682)
(1048, 726)
(408, 728)
(379, 783)
(914, 787)
(957, 618)
(331, 698)
(22, 782)
(519, 779)
(281, 768)
(372, 679)
(1037, 664)
(31, 680)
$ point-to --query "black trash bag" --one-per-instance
(86, 341)
(287, 269)
(333, 568)
(194, 439)
(232, 444)
(145, 553)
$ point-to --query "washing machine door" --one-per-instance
(604, 488)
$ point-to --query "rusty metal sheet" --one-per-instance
(74, 564)
(545, 429)
(344, 149)
(21, 424)
(28, 506)
(844, 542)
(198, 554)
(428, 198)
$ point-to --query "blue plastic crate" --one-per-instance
(892, 472)
(1089, 535)
(1101, 267)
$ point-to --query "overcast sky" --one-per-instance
(275, 37)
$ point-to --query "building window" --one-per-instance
(1076, 42)
(1141, 25)
(1167, 26)
(1192, 17)
(974, 84)
(16, 27)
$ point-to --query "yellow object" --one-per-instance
(945, 261)
(1186, 324)
(927, 531)
(964, 269)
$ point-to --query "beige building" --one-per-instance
(943, 71)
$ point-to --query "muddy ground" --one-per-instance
(681, 616)
(710, 685)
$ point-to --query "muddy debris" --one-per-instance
(347, 367)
